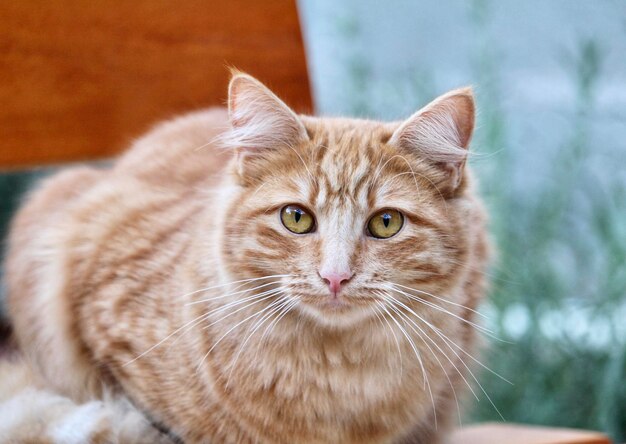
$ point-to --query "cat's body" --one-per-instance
(104, 265)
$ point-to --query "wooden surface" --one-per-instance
(495, 433)
(79, 79)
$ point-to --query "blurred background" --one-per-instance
(550, 152)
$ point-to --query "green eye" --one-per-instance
(385, 224)
(296, 219)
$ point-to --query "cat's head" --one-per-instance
(335, 214)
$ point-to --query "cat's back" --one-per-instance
(176, 160)
(175, 154)
(179, 156)
(182, 151)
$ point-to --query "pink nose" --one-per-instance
(335, 279)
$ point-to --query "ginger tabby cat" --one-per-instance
(259, 276)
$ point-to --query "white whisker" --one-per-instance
(191, 324)
(377, 314)
(469, 386)
(231, 283)
(411, 343)
(447, 341)
(196, 320)
(480, 328)
(255, 300)
(273, 307)
(219, 309)
(395, 337)
(439, 298)
(271, 325)
(303, 163)
(246, 290)
(419, 360)
(493, 372)
(239, 323)
(445, 373)
(223, 336)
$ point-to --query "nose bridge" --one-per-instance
(338, 246)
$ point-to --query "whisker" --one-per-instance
(468, 354)
(445, 205)
(273, 307)
(480, 328)
(469, 386)
(217, 310)
(189, 325)
(198, 148)
(377, 314)
(403, 316)
(446, 340)
(419, 359)
(493, 372)
(303, 163)
(411, 343)
(200, 301)
(231, 283)
(238, 302)
(395, 337)
(447, 301)
(408, 319)
(196, 320)
(255, 300)
(283, 310)
(214, 140)
(226, 334)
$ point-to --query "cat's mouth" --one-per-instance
(334, 303)
(334, 308)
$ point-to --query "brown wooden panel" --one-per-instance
(80, 78)
(495, 433)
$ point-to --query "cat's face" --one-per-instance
(339, 213)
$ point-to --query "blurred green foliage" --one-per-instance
(561, 272)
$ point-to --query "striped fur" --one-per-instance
(113, 275)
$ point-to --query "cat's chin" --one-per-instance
(335, 312)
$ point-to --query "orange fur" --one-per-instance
(105, 264)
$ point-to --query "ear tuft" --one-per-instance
(259, 119)
(441, 132)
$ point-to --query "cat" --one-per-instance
(254, 275)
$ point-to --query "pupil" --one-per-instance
(386, 220)
(298, 215)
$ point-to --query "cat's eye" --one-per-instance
(385, 223)
(296, 219)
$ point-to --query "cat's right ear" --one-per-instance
(259, 120)
(441, 132)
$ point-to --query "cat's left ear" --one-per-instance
(441, 133)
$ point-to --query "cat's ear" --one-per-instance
(441, 132)
(259, 119)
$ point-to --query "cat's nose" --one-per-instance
(335, 279)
